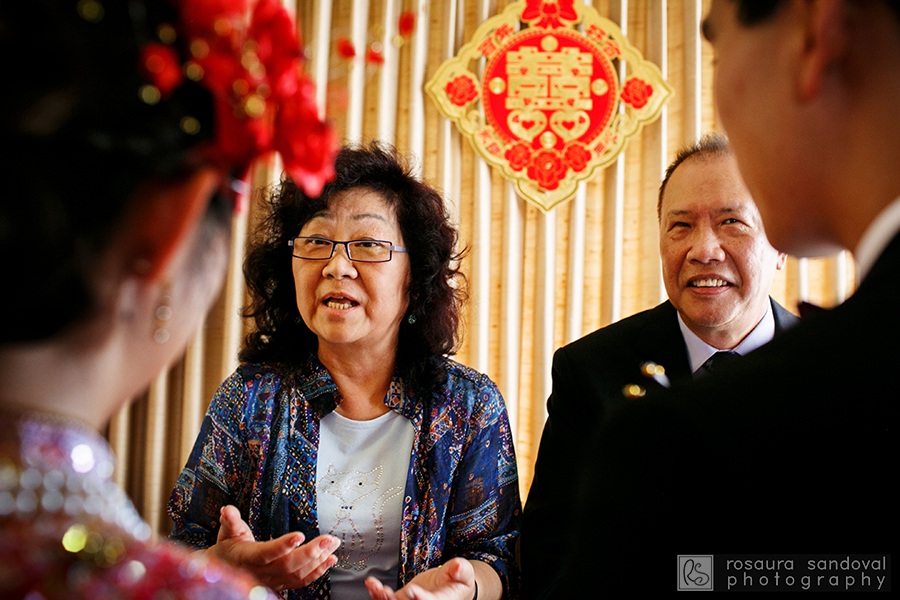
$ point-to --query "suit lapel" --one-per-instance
(660, 340)
(784, 319)
(883, 274)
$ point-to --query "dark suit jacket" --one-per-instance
(588, 377)
(799, 459)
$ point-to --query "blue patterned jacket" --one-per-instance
(257, 450)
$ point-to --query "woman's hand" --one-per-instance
(283, 563)
(454, 580)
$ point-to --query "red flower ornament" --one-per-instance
(374, 57)
(261, 99)
(636, 92)
(461, 90)
(200, 18)
(549, 13)
(577, 156)
(345, 48)
(547, 169)
(161, 67)
(518, 155)
(273, 37)
(306, 144)
(407, 23)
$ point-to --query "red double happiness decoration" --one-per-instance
(557, 99)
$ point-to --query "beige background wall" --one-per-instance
(537, 281)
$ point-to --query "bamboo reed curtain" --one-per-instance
(536, 281)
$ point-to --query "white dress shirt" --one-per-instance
(699, 351)
(878, 235)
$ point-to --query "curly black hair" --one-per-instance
(436, 289)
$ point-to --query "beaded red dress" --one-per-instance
(68, 531)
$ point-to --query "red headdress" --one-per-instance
(246, 53)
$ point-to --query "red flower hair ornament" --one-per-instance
(263, 101)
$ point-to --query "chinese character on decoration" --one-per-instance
(552, 104)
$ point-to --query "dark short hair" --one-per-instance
(711, 144)
(751, 12)
(436, 287)
(81, 142)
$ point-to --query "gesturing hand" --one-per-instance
(454, 580)
(283, 563)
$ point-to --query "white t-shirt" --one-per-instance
(360, 479)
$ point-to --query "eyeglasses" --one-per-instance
(370, 251)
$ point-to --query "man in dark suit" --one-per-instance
(800, 455)
(717, 268)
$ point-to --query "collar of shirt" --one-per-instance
(324, 396)
(878, 235)
(699, 351)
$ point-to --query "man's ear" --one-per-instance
(824, 44)
(163, 217)
(779, 262)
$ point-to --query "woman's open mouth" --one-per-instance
(339, 303)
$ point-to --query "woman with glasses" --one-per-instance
(118, 195)
(347, 429)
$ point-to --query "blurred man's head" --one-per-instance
(807, 91)
(717, 264)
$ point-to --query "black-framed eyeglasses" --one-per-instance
(317, 248)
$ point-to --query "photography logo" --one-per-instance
(695, 572)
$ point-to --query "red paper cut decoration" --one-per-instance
(548, 109)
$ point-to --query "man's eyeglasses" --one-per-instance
(370, 251)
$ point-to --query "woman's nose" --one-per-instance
(339, 265)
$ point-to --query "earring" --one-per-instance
(411, 319)
(128, 300)
(163, 314)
